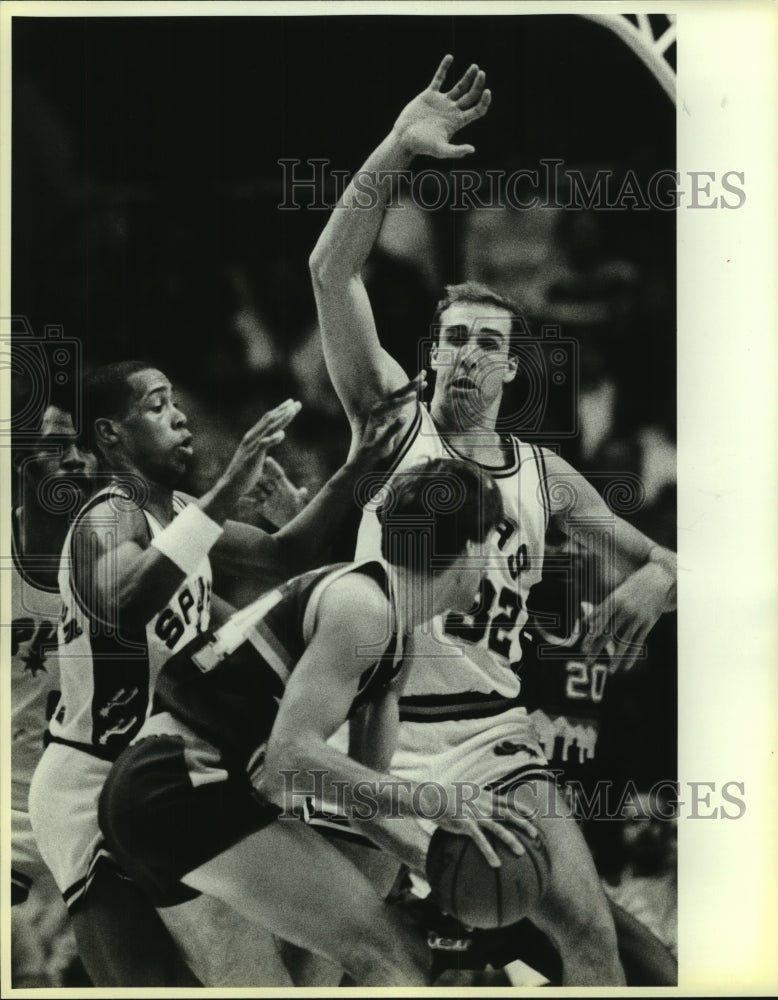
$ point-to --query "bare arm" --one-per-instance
(304, 542)
(360, 368)
(373, 732)
(122, 578)
(306, 721)
(637, 578)
(332, 662)
(274, 499)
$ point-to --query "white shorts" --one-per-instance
(499, 751)
(63, 808)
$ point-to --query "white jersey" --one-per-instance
(35, 614)
(458, 655)
(108, 671)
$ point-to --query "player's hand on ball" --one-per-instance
(427, 125)
(488, 812)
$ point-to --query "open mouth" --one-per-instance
(463, 384)
(186, 447)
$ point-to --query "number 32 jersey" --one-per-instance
(474, 658)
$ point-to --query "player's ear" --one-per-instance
(511, 368)
(435, 357)
(105, 431)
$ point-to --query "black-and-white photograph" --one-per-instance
(341, 543)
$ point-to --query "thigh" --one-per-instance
(574, 892)
(378, 866)
(223, 948)
(168, 806)
(63, 810)
(646, 960)
(287, 878)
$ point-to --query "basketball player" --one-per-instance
(461, 717)
(204, 798)
(135, 581)
(54, 471)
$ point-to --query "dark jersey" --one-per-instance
(562, 694)
(226, 685)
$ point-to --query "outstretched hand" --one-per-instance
(620, 624)
(245, 468)
(273, 497)
(427, 125)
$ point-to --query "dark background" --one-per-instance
(146, 187)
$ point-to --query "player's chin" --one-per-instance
(176, 468)
(468, 406)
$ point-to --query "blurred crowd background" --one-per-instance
(146, 222)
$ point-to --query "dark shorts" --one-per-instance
(159, 825)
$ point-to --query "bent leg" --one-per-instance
(121, 939)
(574, 910)
(288, 879)
(223, 948)
(646, 960)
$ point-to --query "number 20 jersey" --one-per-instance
(459, 656)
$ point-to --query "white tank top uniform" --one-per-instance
(108, 673)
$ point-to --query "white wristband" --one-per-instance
(188, 539)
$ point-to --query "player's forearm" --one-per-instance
(306, 540)
(377, 804)
(300, 764)
(141, 590)
(373, 733)
(128, 583)
(352, 229)
(303, 543)
(401, 836)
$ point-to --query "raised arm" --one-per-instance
(360, 369)
(304, 543)
(637, 578)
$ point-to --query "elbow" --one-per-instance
(317, 265)
(278, 781)
(331, 270)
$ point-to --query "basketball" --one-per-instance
(465, 886)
